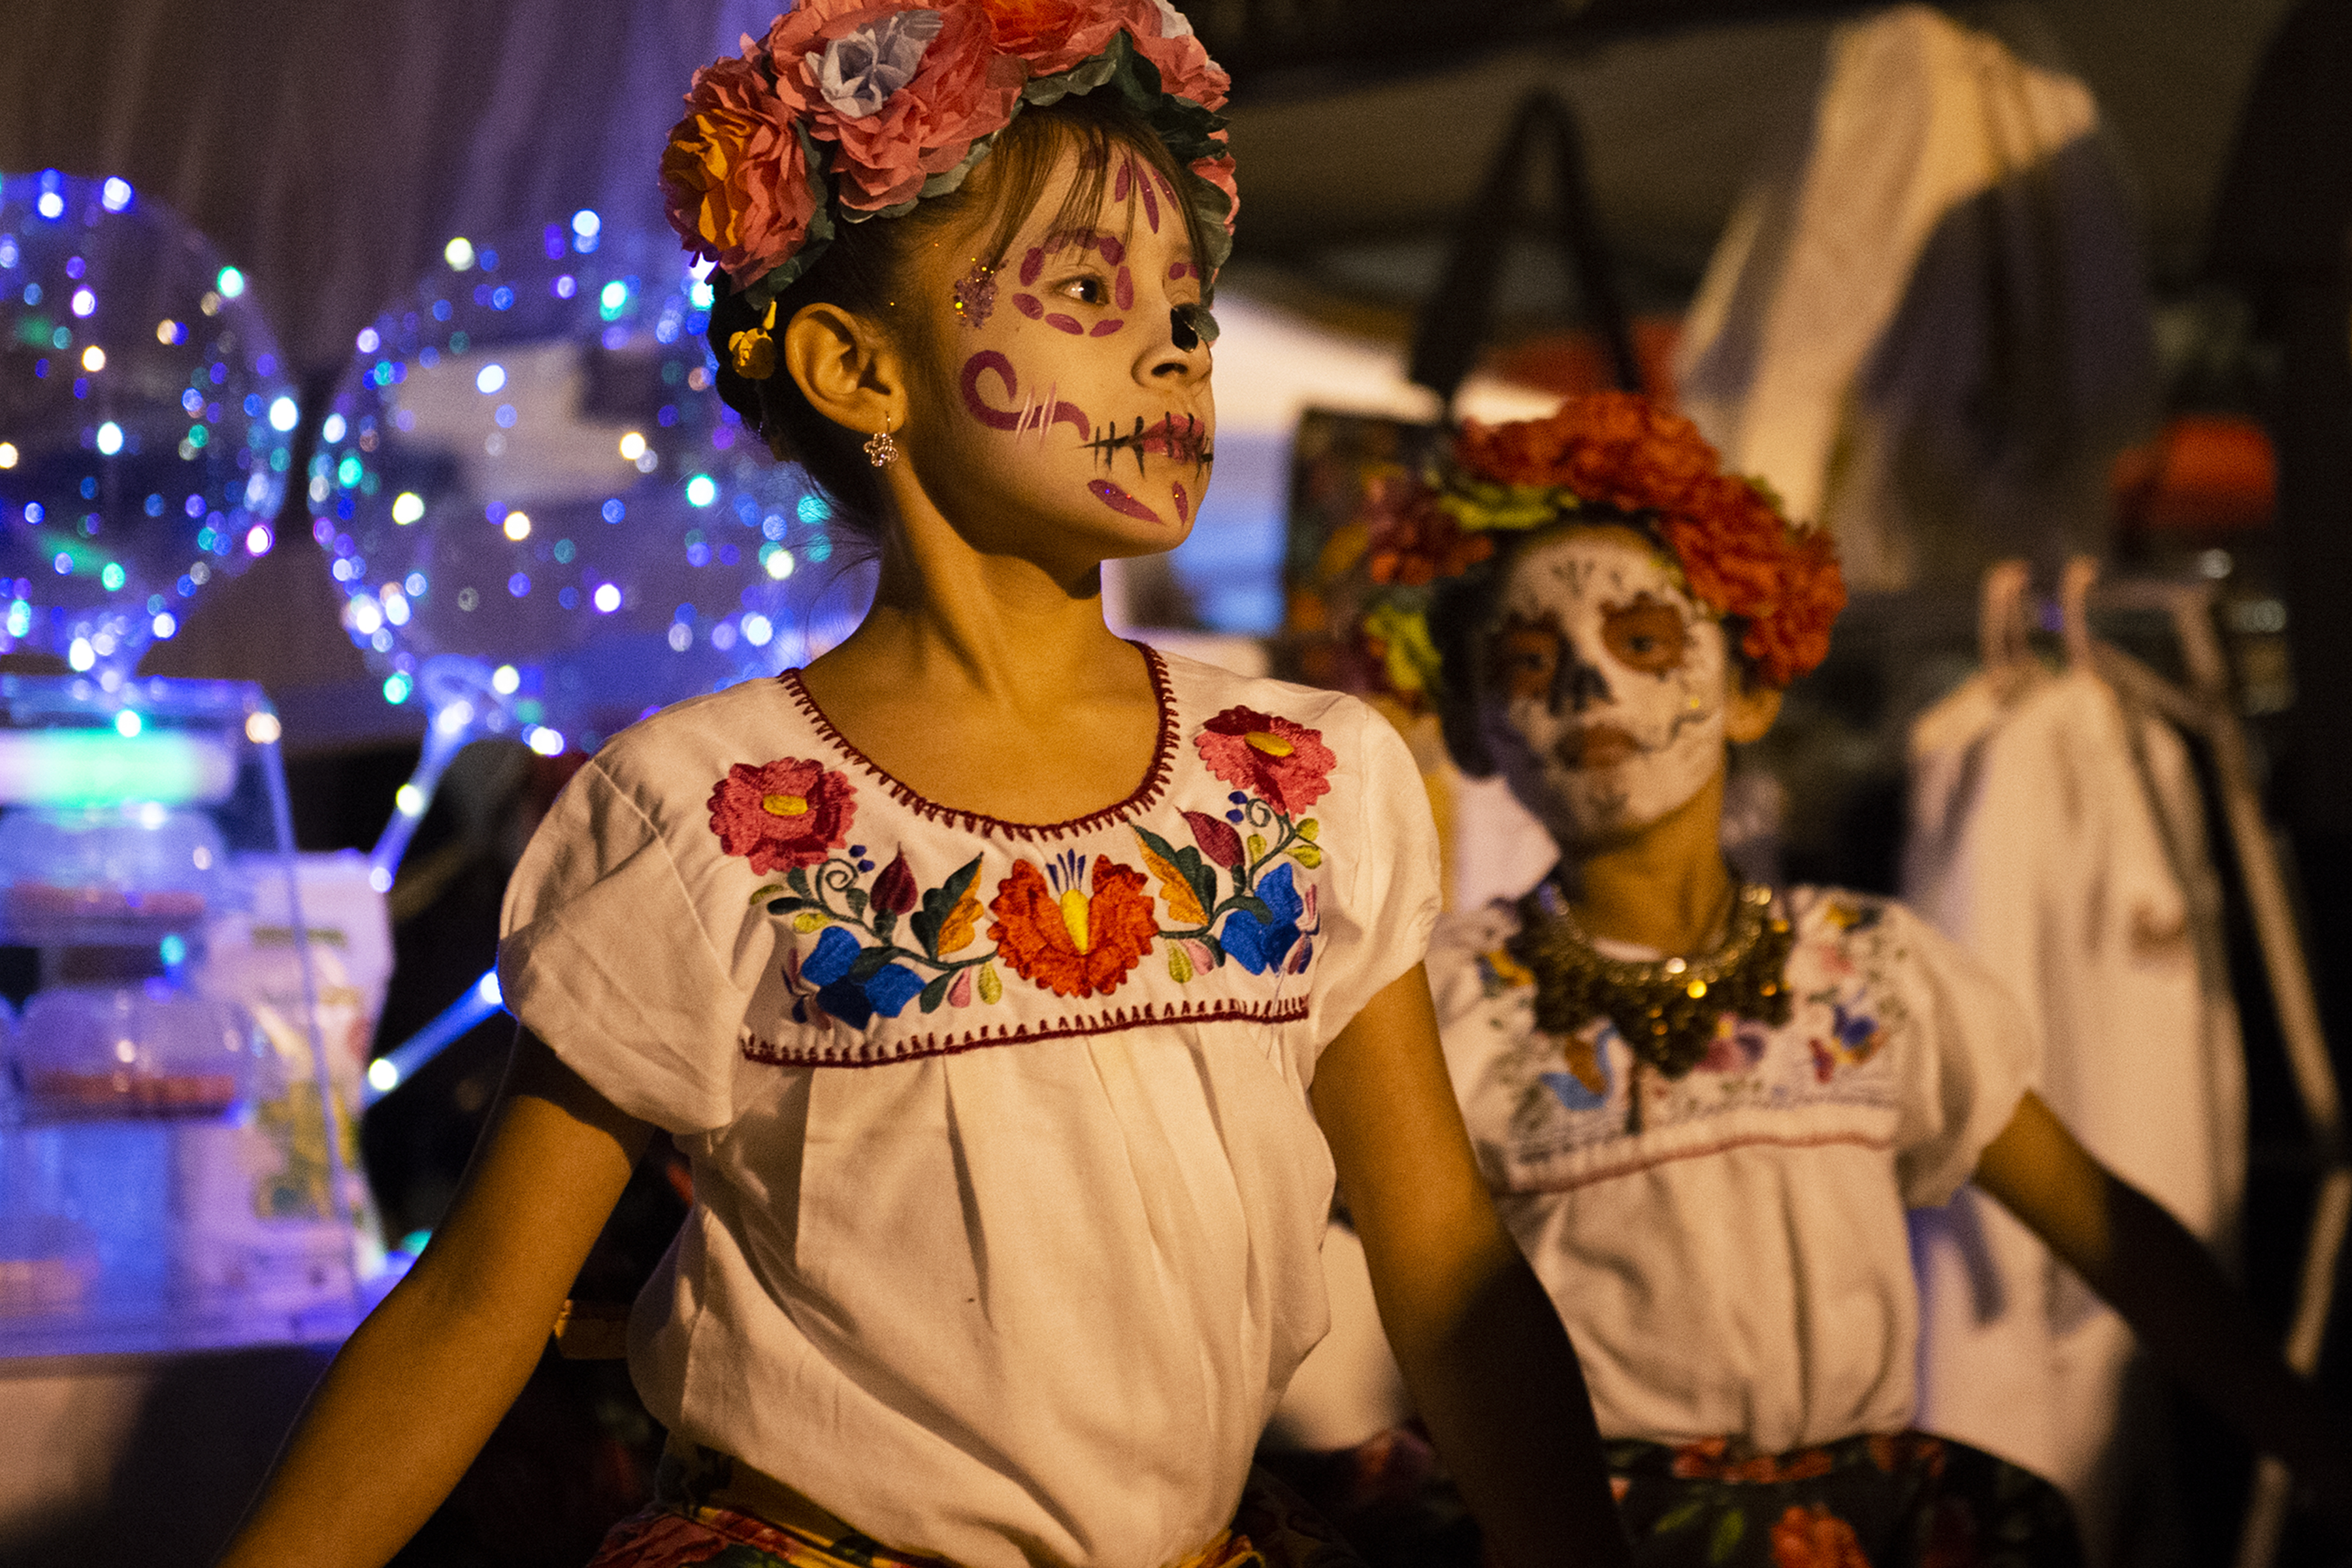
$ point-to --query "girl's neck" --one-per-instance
(1664, 888)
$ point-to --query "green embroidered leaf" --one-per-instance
(1200, 874)
(936, 992)
(869, 963)
(1727, 1532)
(856, 899)
(1217, 949)
(770, 891)
(1679, 1516)
(1255, 906)
(884, 923)
(1184, 905)
(786, 906)
(940, 904)
(797, 880)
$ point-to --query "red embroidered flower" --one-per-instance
(962, 89)
(1284, 764)
(734, 179)
(1815, 1538)
(1079, 941)
(791, 812)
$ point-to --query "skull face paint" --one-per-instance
(1603, 698)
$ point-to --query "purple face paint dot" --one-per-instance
(1151, 206)
(1064, 325)
(1122, 290)
(1182, 270)
(1126, 180)
(1033, 264)
(1027, 305)
(1105, 329)
(1112, 250)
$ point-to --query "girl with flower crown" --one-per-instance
(1703, 1105)
(1015, 992)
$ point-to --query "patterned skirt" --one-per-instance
(1273, 1528)
(1905, 1500)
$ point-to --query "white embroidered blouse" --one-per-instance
(1737, 1266)
(1008, 1193)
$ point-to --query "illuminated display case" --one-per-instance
(171, 1175)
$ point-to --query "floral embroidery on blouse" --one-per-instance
(792, 812)
(1078, 926)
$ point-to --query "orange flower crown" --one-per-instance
(1600, 457)
(854, 109)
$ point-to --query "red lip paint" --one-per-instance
(1119, 501)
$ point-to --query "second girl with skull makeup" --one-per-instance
(1704, 1106)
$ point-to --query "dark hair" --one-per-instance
(860, 272)
(1460, 610)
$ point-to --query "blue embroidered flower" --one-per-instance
(832, 967)
(860, 70)
(835, 952)
(892, 987)
(1258, 945)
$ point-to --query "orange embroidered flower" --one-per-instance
(1286, 764)
(791, 812)
(1073, 940)
(1815, 1538)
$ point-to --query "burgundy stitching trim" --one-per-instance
(1146, 795)
(1645, 1162)
(756, 1049)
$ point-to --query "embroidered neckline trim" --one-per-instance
(1144, 796)
(1278, 1010)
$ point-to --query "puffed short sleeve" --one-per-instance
(603, 954)
(1974, 1055)
(1392, 887)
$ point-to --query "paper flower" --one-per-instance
(1164, 36)
(962, 90)
(1053, 36)
(859, 72)
(791, 812)
(734, 178)
(1285, 763)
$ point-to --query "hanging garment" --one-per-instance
(2059, 836)
(1928, 328)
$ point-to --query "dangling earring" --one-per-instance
(880, 450)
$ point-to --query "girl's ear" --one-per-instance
(849, 370)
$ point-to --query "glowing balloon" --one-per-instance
(145, 425)
(543, 521)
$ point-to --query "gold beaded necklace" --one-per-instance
(1666, 1010)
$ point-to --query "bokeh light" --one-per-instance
(137, 448)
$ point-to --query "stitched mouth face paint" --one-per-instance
(1119, 501)
(1178, 436)
(1604, 705)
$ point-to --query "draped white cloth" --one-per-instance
(2060, 837)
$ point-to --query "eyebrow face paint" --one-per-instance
(1119, 501)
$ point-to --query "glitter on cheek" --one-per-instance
(1027, 305)
(1062, 323)
(1122, 290)
(1119, 501)
(975, 294)
(1105, 329)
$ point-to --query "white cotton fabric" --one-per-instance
(1007, 1282)
(1739, 1266)
(2060, 837)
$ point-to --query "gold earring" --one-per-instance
(880, 450)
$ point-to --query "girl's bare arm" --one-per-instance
(2151, 1269)
(1484, 1355)
(416, 1393)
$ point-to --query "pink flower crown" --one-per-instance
(851, 109)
